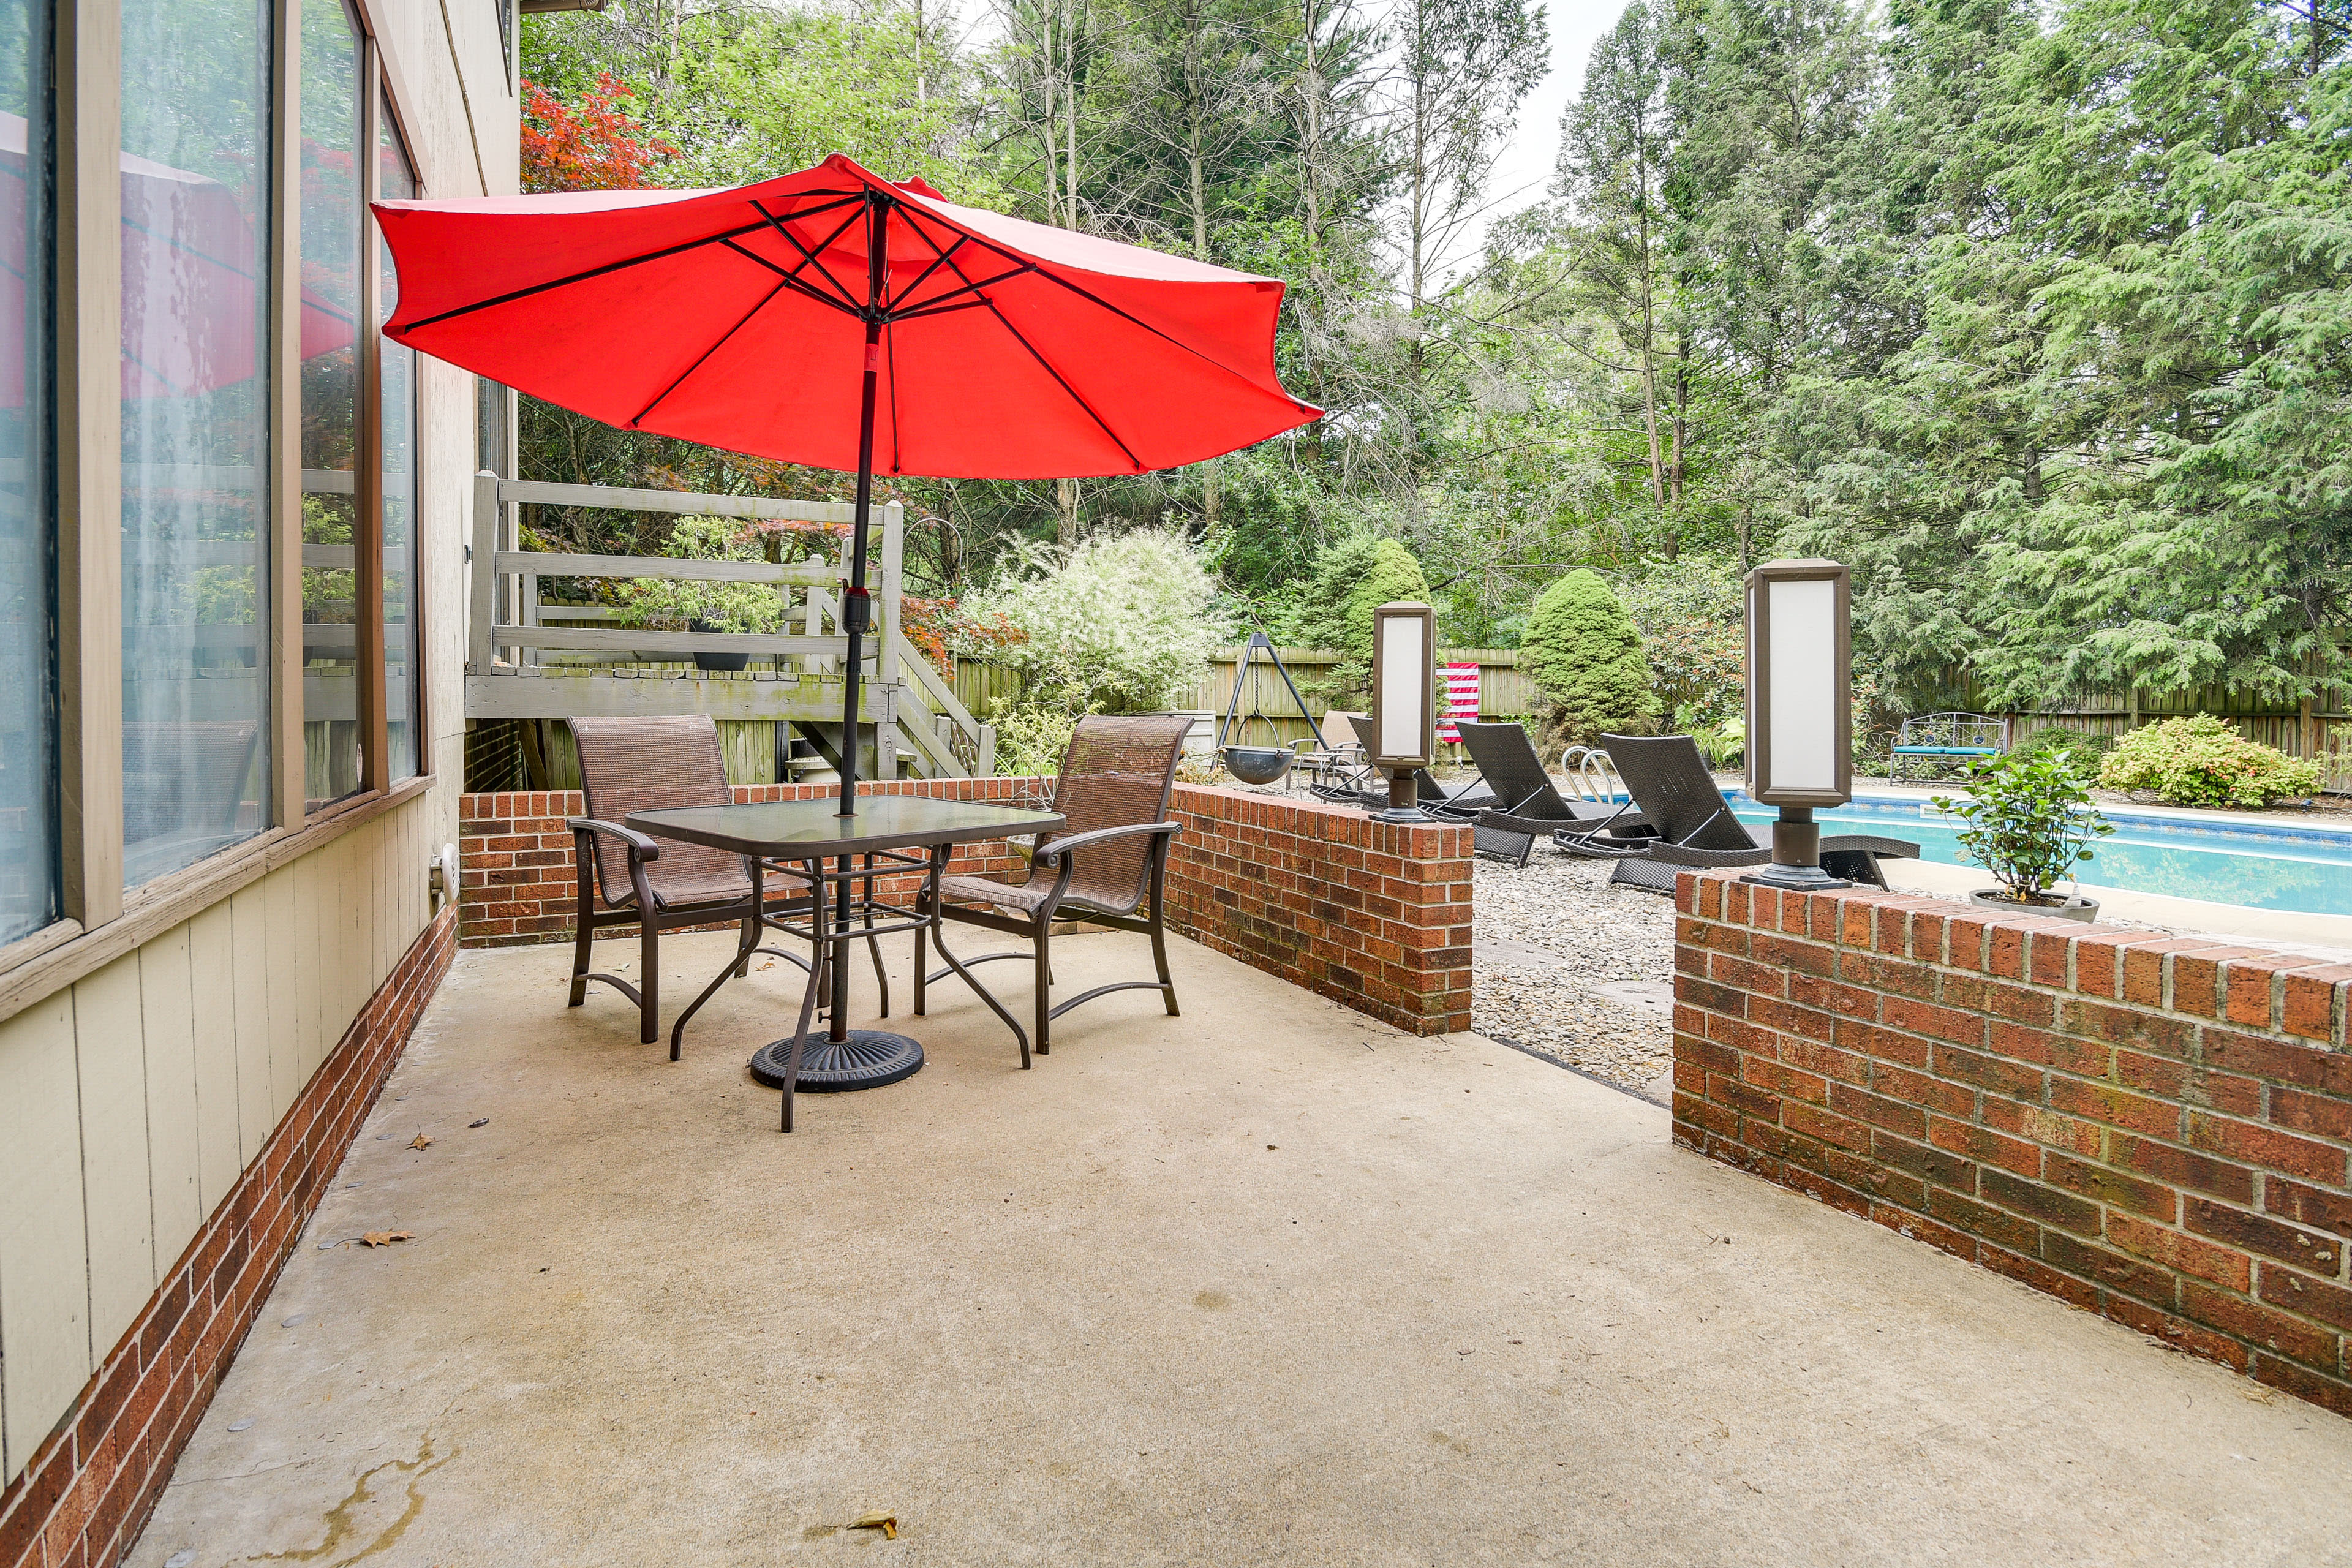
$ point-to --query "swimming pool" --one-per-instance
(2265, 866)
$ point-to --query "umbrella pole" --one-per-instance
(856, 605)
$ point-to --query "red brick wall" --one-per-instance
(2152, 1128)
(82, 1499)
(1369, 914)
(1373, 914)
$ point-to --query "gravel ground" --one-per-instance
(1571, 968)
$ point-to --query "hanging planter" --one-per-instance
(715, 661)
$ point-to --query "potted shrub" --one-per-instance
(661, 603)
(2030, 823)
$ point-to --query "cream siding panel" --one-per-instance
(165, 996)
(212, 994)
(312, 947)
(117, 1205)
(285, 997)
(353, 898)
(45, 1355)
(249, 979)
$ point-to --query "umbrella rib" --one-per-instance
(716, 343)
(1049, 275)
(792, 279)
(937, 262)
(940, 310)
(937, 299)
(810, 256)
(1045, 363)
(582, 277)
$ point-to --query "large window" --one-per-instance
(196, 258)
(28, 848)
(332, 215)
(403, 685)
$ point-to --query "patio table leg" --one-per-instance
(747, 944)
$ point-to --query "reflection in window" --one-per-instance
(330, 385)
(28, 853)
(401, 684)
(196, 427)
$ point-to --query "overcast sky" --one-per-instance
(1526, 165)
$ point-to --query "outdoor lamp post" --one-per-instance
(1404, 703)
(1799, 709)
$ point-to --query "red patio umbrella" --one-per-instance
(837, 318)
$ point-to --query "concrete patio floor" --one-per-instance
(1265, 1283)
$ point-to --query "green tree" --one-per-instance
(1355, 575)
(1586, 661)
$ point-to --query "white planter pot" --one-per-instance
(2074, 909)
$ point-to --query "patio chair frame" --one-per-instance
(641, 903)
(1060, 854)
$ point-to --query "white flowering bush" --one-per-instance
(1120, 624)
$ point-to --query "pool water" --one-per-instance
(2263, 866)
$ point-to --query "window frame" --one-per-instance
(101, 918)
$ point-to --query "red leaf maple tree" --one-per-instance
(595, 145)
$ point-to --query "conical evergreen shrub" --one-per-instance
(1586, 661)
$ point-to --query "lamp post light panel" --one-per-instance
(1800, 684)
(1404, 686)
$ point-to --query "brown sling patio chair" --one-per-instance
(1107, 861)
(658, 765)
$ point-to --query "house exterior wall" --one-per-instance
(162, 1069)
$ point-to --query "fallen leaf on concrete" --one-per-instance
(879, 1519)
(421, 1141)
(386, 1237)
(485, 1121)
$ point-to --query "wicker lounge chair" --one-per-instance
(655, 764)
(1693, 825)
(1527, 803)
(1106, 863)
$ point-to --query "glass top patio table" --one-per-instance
(796, 837)
(814, 829)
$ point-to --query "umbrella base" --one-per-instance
(867, 1059)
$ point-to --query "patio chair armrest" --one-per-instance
(640, 847)
(1051, 852)
(1871, 843)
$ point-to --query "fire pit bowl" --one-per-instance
(1258, 765)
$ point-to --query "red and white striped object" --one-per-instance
(1461, 701)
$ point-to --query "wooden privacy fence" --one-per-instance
(2319, 727)
(1272, 716)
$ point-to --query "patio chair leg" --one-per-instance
(649, 960)
(1159, 958)
(585, 926)
(1044, 984)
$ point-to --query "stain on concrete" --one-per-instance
(342, 1522)
(1212, 1301)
